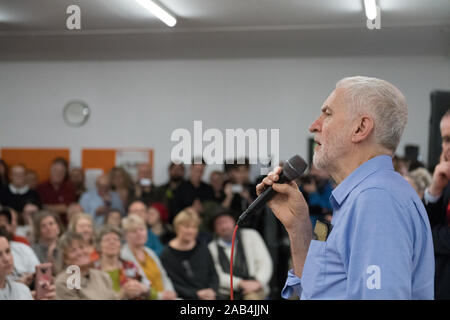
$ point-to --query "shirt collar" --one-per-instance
(15, 190)
(340, 193)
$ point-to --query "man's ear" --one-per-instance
(363, 128)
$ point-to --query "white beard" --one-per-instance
(326, 159)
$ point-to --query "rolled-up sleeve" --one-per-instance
(292, 286)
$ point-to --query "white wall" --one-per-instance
(140, 103)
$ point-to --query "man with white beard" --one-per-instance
(380, 245)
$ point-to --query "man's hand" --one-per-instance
(206, 294)
(288, 204)
(250, 286)
(441, 177)
(291, 209)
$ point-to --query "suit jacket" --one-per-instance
(441, 240)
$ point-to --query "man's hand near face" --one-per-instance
(441, 177)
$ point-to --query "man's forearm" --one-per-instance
(300, 239)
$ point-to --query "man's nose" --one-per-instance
(315, 126)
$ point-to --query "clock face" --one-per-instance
(76, 113)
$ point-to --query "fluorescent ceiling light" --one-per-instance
(158, 12)
(371, 9)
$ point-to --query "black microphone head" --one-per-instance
(294, 168)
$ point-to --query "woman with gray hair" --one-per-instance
(144, 258)
(420, 179)
(124, 274)
(93, 284)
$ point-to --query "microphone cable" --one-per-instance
(231, 262)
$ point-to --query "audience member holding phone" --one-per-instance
(15, 290)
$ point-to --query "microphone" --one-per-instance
(292, 170)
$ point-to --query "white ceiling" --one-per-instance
(127, 16)
(122, 29)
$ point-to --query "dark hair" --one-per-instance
(5, 234)
(415, 164)
(6, 175)
(27, 202)
(134, 201)
(236, 164)
(197, 158)
(5, 211)
(173, 164)
(446, 114)
(220, 213)
(110, 211)
(62, 161)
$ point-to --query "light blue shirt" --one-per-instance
(380, 246)
(91, 201)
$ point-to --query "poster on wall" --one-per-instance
(95, 162)
(130, 159)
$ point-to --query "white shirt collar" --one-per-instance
(15, 190)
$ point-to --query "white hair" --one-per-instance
(383, 101)
(422, 178)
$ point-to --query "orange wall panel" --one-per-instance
(37, 159)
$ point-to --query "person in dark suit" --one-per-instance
(17, 192)
(436, 200)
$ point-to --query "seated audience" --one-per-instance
(47, 229)
(252, 268)
(122, 184)
(17, 193)
(73, 209)
(8, 219)
(420, 179)
(4, 174)
(437, 203)
(94, 284)
(25, 260)
(148, 263)
(32, 179)
(166, 192)
(144, 188)
(58, 192)
(188, 261)
(76, 176)
(113, 218)
(239, 191)
(9, 289)
(156, 225)
(140, 209)
(216, 179)
(25, 221)
(193, 191)
(400, 165)
(82, 224)
(97, 202)
(124, 274)
(316, 187)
